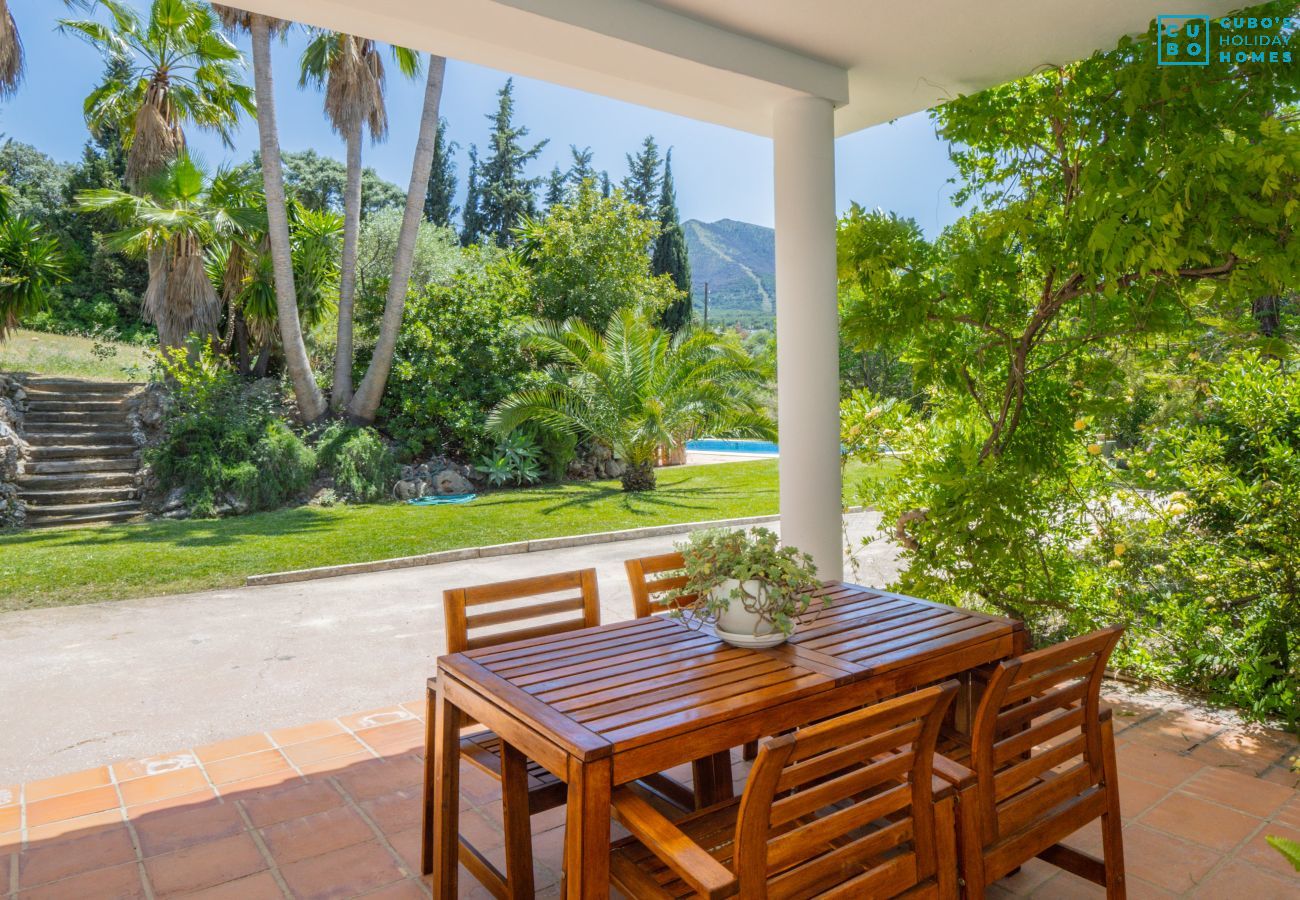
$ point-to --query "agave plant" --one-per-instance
(637, 389)
(178, 221)
(174, 67)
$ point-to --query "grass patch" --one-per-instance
(42, 353)
(61, 567)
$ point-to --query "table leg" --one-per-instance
(515, 818)
(586, 833)
(440, 856)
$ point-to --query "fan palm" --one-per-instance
(178, 68)
(11, 47)
(175, 224)
(30, 266)
(637, 388)
(261, 28)
(351, 71)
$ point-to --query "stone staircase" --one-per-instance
(82, 461)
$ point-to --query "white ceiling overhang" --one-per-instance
(731, 62)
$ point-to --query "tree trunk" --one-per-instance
(311, 402)
(366, 402)
(639, 477)
(342, 393)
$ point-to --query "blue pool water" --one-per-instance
(718, 445)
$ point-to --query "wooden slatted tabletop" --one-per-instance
(604, 706)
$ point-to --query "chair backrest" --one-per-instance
(1036, 737)
(845, 808)
(477, 616)
(647, 579)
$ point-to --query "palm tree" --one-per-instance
(11, 47)
(637, 389)
(311, 402)
(175, 224)
(31, 264)
(365, 404)
(177, 69)
(351, 70)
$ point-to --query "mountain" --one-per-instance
(738, 262)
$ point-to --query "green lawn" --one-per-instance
(70, 566)
(72, 357)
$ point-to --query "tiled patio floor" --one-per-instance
(332, 809)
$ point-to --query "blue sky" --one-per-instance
(720, 173)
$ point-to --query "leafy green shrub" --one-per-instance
(359, 461)
(516, 460)
(281, 468)
(457, 356)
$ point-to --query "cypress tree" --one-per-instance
(605, 187)
(471, 230)
(670, 257)
(439, 199)
(505, 194)
(642, 183)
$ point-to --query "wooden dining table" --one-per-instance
(604, 706)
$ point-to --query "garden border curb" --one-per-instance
(554, 543)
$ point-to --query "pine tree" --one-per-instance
(581, 168)
(556, 187)
(605, 187)
(505, 194)
(471, 229)
(439, 200)
(642, 182)
(670, 257)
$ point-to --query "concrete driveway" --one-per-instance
(86, 685)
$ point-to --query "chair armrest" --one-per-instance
(675, 849)
(953, 773)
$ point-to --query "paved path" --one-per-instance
(86, 685)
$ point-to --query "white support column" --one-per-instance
(807, 331)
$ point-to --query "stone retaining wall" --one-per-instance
(13, 450)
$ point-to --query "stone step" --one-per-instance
(115, 452)
(44, 499)
(82, 514)
(78, 387)
(72, 480)
(37, 418)
(127, 465)
(69, 404)
(77, 437)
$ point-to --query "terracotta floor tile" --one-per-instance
(387, 715)
(309, 752)
(70, 806)
(155, 765)
(1198, 820)
(261, 886)
(309, 732)
(1167, 862)
(1244, 752)
(66, 784)
(237, 789)
(390, 739)
(293, 801)
(180, 801)
(236, 747)
(11, 818)
(381, 776)
(1238, 881)
(1156, 766)
(1136, 796)
(336, 764)
(407, 845)
(51, 860)
(313, 835)
(239, 768)
(1253, 796)
(121, 882)
(349, 872)
(1064, 886)
(160, 787)
(406, 889)
(176, 829)
(396, 811)
(1032, 875)
(204, 865)
(417, 708)
(1289, 815)
(1283, 775)
(1259, 853)
(79, 825)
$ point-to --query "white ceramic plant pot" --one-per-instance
(740, 627)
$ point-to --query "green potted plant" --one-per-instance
(749, 586)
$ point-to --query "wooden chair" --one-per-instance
(651, 577)
(1040, 764)
(845, 808)
(524, 785)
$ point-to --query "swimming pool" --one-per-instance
(719, 445)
